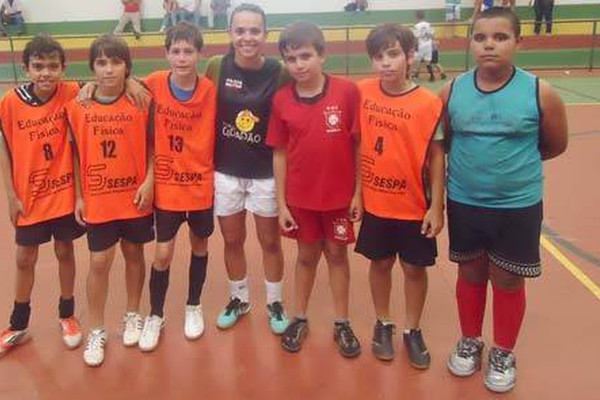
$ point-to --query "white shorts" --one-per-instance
(233, 195)
(424, 53)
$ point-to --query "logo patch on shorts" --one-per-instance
(340, 229)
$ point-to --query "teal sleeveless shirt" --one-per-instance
(494, 159)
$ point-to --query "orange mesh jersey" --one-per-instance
(111, 143)
(396, 132)
(35, 133)
(184, 145)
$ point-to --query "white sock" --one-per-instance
(274, 290)
(240, 289)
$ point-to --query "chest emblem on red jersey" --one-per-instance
(245, 121)
(333, 119)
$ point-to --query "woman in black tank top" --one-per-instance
(246, 82)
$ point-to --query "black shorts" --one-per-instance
(381, 238)
(104, 235)
(510, 237)
(435, 56)
(64, 229)
(201, 223)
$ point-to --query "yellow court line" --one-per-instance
(572, 268)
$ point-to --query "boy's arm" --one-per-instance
(433, 222)
(79, 205)
(144, 197)
(286, 221)
(445, 96)
(356, 207)
(15, 207)
(554, 130)
(135, 91)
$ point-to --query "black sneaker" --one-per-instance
(383, 345)
(418, 354)
(347, 342)
(294, 335)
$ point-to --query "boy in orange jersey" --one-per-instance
(185, 105)
(37, 167)
(403, 185)
(313, 130)
(114, 183)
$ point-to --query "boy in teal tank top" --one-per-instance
(501, 123)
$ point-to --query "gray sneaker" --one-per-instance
(383, 344)
(466, 358)
(501, 373)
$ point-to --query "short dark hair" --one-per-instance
(110, 46)
(184, 31)
(385, 36)
(420, 14)
(300, 34)
(43, 45)
(502, 12)
(253, 8)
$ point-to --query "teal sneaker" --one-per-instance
(232, 313)
(278, 321)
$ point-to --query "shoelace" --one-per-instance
(499, 360)
(347, 335)
(154, 323)
(467, 347)
(70, 326)
(276, 309)
(95, 341)
(232, 306)
(295, 328)
(132, 321)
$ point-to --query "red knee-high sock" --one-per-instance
(471, 299)
(509, 310)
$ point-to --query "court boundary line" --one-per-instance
(567, 264)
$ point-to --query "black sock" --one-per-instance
(19, 318)
(197, 278)
(159, 283)
(66, 307)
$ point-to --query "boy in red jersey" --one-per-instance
(402, 162)
(313, 130)
(37, 167)
(185, 140)
(114, 183)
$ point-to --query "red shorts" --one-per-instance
(318, 225)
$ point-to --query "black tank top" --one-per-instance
(243, 109)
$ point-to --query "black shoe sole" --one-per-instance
(350, 355)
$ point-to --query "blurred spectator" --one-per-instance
(12, 14)
(219, 9)
(169, 6)
(188, 10)
(543, 10)
(358, 5)
(453, 14)
(482, 5)
(131, 13)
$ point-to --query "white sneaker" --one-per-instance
(93, 355)
(194, 322)
(151, 333)
(132, 328)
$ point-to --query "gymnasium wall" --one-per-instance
(40, 11)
